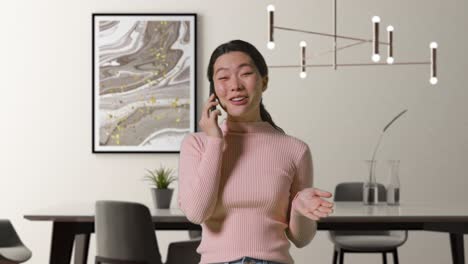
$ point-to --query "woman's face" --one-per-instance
(236, 77)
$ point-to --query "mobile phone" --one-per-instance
(214, 106)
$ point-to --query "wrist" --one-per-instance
(293, 204)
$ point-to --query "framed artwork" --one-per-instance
(144, 82)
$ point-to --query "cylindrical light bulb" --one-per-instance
(271, 10)
(390, 44)
(303, 45)
(375, 39)
(433, 47)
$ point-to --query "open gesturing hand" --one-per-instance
(309, 203)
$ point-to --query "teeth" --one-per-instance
(238, 99)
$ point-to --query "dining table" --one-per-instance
(73, 224)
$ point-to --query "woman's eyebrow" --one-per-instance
(240, 66)
(245, 65)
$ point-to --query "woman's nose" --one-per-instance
(235, 84)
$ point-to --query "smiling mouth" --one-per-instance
(239, 100)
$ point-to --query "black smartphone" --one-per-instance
(214, 106)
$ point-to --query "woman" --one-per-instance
(246, 182)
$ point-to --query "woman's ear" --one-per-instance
(265, 83)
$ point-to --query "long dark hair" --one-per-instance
(257, 58)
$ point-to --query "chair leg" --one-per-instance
(384, 257)
(335, 255)
(395, 256)
(341, 258)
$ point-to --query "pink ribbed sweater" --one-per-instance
(240, 190)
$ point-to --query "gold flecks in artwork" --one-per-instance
(177, 120)
(141, 111)
(148, 80)
(158, 117)
(116, 138)
(153, 99)
(175, 102)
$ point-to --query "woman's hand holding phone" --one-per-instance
(209, 119)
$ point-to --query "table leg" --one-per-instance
(81, 248)
(457, 247)
(62, 243)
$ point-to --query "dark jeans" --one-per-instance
(249, 260)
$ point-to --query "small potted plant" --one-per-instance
(160, 179)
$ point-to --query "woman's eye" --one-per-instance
(222, 78)
(247, 73)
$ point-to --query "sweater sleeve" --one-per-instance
(301, 230)
(199, 176)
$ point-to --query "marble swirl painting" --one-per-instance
(144, 86)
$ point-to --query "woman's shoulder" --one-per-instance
(294, 141)
(197, 140)
(194, 137)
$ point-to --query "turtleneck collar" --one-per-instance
(228, 126)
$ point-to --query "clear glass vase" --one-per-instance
(393, 183)
(370, 190)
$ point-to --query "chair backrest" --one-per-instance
(12, 250)
(352, 192)
(8, 235)
(125, 231)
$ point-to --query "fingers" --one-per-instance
(214, 115)
(326, 203)
(311, 216)
(321, 212)
(318, 213)
(326, 210)
(322, 193)
(209, 103)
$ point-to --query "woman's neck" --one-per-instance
(256, 118)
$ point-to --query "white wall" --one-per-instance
(46, 104)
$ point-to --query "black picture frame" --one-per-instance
(144, 81)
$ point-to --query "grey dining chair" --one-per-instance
(372, 241)
(125, 234)
(12, 250)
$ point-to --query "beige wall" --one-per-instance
(46, 104)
